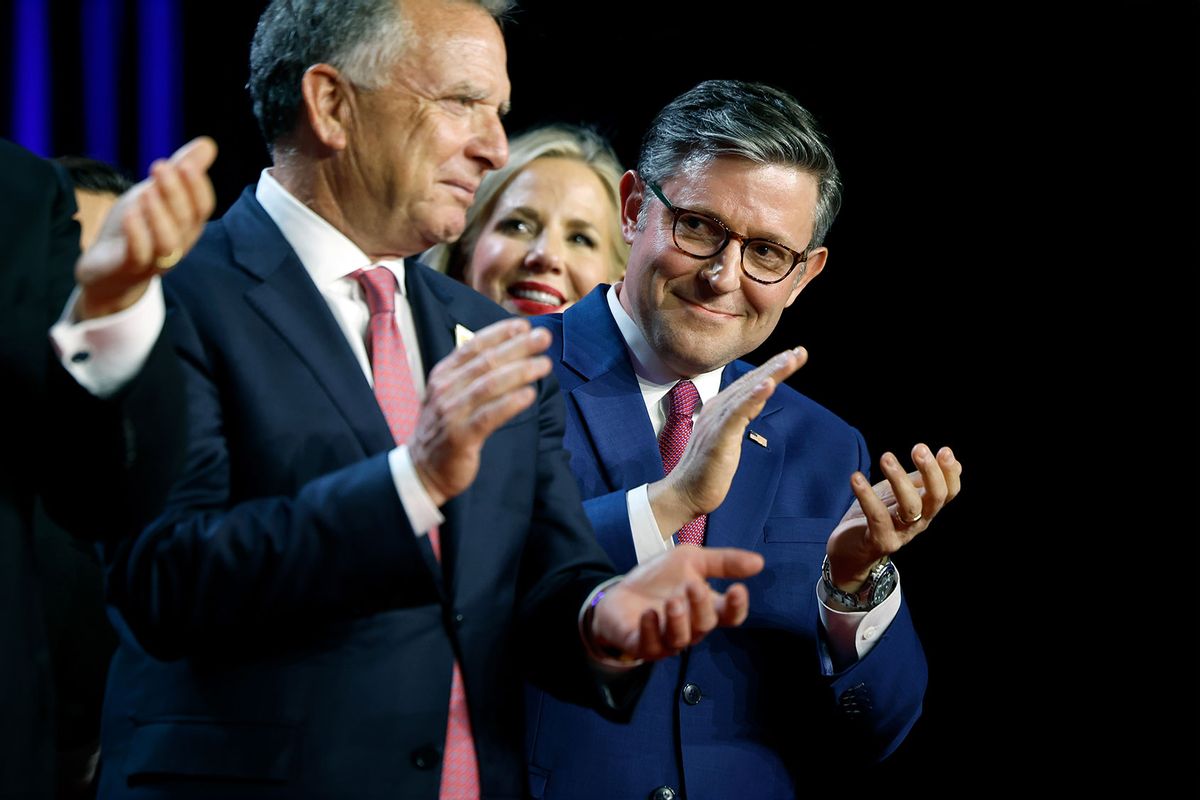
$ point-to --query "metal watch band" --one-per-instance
(874, 590)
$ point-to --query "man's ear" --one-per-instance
(327, 104)
(631, 203)
(812, 267)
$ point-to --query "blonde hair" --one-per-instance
(549, 141)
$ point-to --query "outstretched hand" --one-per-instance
(666, 604)
(148, 230)
(890, 514)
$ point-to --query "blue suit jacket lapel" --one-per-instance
(608, 397)
(289, 301)
(738, 522)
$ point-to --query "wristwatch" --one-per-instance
(874, 590)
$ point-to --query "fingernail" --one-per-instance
(922, 454)
(889, 460)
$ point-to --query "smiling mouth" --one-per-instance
(536, 298)
(713, 312)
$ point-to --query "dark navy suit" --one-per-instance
(750, 711)
(284, 633)
(101, 467)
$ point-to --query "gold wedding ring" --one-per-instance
(913, 521)
(169, 260)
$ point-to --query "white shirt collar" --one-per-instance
(654, 377)
(326, 253)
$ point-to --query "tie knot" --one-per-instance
(684, 398)
(380, 285)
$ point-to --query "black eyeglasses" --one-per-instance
(702, 236)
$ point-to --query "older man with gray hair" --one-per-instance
(376, 536)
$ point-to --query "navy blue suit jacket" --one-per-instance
(284, 633)
(750, 711)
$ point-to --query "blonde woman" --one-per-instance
(545, 229)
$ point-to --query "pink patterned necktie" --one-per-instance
(397, 398)
(671, 442)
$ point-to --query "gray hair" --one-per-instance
(363, 39)
(549, 141)
(745, 120)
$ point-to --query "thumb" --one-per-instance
(197, 155)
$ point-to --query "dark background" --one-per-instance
(1012, 274)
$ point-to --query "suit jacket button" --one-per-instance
(425, 757)
(856, 699)
(664, 793)
(691, 694)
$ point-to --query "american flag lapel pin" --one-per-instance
(757, 438)
(462, 335)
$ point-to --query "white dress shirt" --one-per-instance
(851, 634)
(330, 259)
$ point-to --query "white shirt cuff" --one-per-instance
(105, 353)
(648, 540)
(423, 513)
(852, 634)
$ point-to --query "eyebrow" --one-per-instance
(524, 211)
(468, 89)
(575, 222)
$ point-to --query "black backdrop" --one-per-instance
(1007, 276)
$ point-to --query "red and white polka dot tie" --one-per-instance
(397, 398)
(672, 440)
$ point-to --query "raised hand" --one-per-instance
(148, 230)
(705, 471)
(472, 392)
(666, 604)
(892, 513)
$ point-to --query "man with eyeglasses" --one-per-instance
(675, 442)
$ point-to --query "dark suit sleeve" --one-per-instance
(112, 461)
(878, 699)
(218, 572)
(37, 260)
(562, 564)
(39, 243)
(609, 515)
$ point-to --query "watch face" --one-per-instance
(875, 590)
(883, 587)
